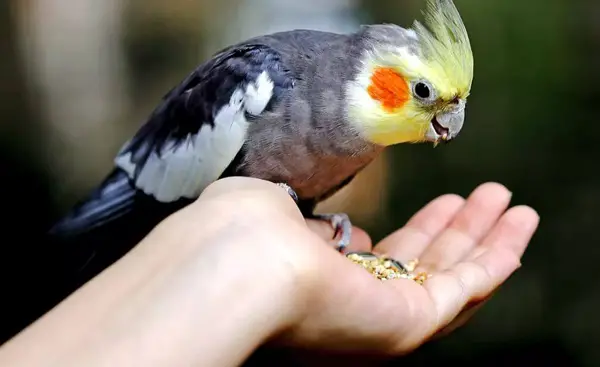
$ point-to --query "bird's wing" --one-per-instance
(196, 132)
(191, 137)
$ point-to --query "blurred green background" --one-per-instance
(78, 77)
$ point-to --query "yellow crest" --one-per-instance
(445, 43)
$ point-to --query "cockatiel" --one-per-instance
(304, 109)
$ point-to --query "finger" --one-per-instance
(359, 241)
(516, 220)
(475, 280)
(411, 240)
(481, 211)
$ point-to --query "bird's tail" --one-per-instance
(113, 199)
(104, 227)
(82, 239)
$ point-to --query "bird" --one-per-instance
(304, 109)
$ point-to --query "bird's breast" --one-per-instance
(310, 169)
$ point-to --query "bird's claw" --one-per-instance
(289, 190)
(342, 226)
(339, 221)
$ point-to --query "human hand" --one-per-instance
(468, 246)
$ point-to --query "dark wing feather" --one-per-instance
(110, 201)
(181, 113)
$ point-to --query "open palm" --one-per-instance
(468, 246)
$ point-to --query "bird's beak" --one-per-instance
(446, 126)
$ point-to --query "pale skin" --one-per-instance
(240, 268)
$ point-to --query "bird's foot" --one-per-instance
(342, 226)
(339, 221)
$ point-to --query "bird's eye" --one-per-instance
(422, 90)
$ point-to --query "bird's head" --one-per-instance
(413, 84)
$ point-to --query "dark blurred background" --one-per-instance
(78, 77)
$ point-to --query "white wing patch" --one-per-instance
(186, 170)
(259, 94)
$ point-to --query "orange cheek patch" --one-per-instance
(389, 87)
